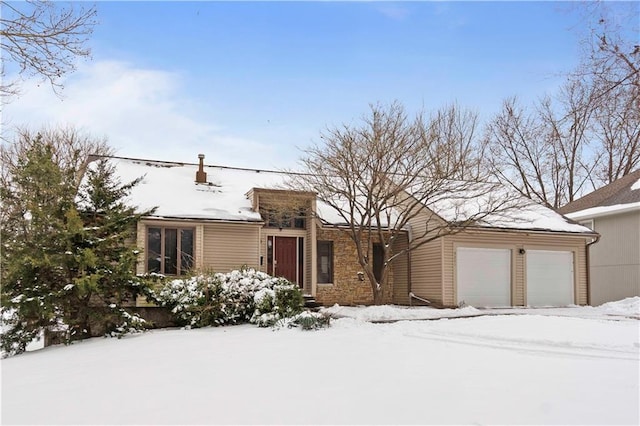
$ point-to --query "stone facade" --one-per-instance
(347, 288)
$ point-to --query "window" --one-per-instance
(284, 219)
(325, 262)
(169, 250)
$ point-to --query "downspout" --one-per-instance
(586, 249)
(409, 238)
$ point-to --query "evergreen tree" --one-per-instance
(68, 259)
(104, 256)
(36, 203)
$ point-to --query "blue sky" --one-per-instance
(250, 84)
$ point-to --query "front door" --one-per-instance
(286, 260)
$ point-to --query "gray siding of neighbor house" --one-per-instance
(615, 259)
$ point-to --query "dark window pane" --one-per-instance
(325, 261)
(285, 220)
(378, 260)
(186, 250)
(170, 251)
(270, 255)
(154, 249)
(299, 221)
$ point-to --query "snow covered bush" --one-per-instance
(231, 298)
(284, 300)
(309, 320)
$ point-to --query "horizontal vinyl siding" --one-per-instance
(426, 261)
(611, 283)
(619, 240)
(401, 273)
(615, 259)
(514, 241)
(230, 246)
(426, 271)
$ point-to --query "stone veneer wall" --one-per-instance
(346, 288)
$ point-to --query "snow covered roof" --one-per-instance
(171, 187)
(492, 205)
(619, 196)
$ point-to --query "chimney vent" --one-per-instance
(201, 176)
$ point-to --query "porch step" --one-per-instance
(310, 302)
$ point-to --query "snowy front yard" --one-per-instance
(512, 369)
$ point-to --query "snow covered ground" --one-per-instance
(628, 308)
(537, 368)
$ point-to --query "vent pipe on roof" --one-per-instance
(201, 176)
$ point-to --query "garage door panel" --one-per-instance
(550, 278)
(483, 276)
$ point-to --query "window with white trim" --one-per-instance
(169, 250)
(325, 262)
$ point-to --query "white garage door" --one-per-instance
(483, 276)
(549, 278)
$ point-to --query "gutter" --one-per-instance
(201, 220)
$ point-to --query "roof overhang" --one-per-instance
(595, 212)
(591, 234)
(198, 219)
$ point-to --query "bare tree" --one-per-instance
(71, 150)
(588, 134)
(545, 152)
(382, 175)
(43, 38)
(454, 131)
(519, 155)
(616, 129)
(566, 123)
(611, 51)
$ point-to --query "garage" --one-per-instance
(549, 278)
(483, 276)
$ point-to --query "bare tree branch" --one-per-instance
(43, 38)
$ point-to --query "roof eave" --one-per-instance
(585, 214)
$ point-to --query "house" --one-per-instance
(614, 212)
(220, 218)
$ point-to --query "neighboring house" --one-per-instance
(613, 211)
(220, 218)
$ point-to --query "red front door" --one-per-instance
(286, 258)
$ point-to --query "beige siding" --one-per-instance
(228, 246)
(401, 272)
(141, 236)
(426, 272)
(514, 241)
(615, 259)
(426, 262)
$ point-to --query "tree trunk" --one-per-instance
(378, 293)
